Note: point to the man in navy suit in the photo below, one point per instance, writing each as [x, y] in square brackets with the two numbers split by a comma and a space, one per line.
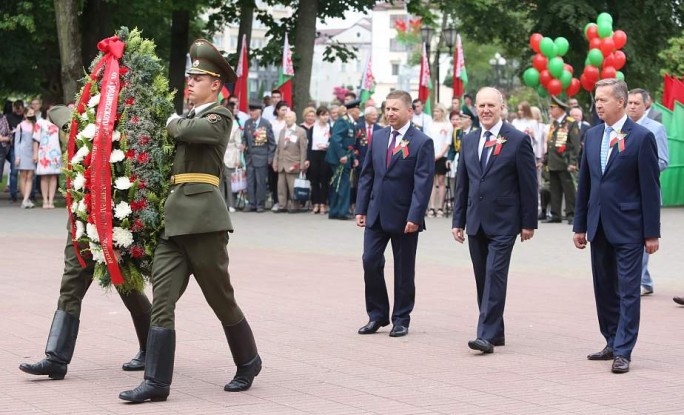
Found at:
[495, 200]
[618, 211]
[394, 190]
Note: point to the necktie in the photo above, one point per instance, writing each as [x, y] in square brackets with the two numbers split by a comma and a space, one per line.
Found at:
[191, 114]
[605, 146]
[369, 134]
[390, 149]
[485, 151]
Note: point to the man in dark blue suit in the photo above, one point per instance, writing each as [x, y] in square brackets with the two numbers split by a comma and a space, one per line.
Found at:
[618, 211]
[495, 200]
[394, 190]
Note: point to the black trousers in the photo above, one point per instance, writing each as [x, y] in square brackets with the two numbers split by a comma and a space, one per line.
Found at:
[319, 174]
[561, 184]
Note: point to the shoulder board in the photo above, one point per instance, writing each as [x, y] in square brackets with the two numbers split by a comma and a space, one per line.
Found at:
[570, 119]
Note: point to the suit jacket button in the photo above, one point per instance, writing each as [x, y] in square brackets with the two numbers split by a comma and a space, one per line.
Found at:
[481, 197]
[481, 180]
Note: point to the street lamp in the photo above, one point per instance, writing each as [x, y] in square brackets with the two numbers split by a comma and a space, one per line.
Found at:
[448, 37]
[498, 62]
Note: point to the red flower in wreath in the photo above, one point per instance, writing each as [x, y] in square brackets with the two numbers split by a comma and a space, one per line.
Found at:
[561, 149]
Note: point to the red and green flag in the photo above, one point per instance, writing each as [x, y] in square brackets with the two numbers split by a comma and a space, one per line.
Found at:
[425, 83]
[241, 86]
[460, 75]
[286, 74]
[367, 82]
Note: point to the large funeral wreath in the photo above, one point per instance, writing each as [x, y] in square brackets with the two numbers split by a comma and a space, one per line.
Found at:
[119, 159]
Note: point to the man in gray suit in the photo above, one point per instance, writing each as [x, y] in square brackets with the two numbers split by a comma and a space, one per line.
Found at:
[260, 147]
[651, 112]
[637, 111]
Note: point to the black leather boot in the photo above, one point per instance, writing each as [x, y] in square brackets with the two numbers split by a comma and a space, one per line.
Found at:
[242, 346]
[141, 311]
[161, 347]
[59, 349]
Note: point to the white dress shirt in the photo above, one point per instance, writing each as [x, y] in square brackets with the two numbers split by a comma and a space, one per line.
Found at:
[402, 133]
[613, 134]
[495, 132]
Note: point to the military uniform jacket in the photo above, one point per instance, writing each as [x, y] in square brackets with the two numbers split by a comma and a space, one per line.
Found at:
[342, 138]
[259, 142]
[200, 145]
[564, 144]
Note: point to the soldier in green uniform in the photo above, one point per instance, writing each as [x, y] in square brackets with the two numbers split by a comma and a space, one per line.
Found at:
[342, 159]
[561, 159]
[196, 226]
[75, 283]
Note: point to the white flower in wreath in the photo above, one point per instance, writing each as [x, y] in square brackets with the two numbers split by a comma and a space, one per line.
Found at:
[94, 101]
[80, 229]
[84, 116]
[91, 231]
[81, 206]
[74, 206]
[80, 155]
[123, 183]
[122, 210]
[116, 136]
[89, 131]
[96, 251]
[79, 181]
[122, 237]
[116, 156]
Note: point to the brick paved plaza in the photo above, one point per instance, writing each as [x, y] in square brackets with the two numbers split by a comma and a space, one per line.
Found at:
[299, 280]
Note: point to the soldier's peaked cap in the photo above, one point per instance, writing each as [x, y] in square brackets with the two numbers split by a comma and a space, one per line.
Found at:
[205, 59]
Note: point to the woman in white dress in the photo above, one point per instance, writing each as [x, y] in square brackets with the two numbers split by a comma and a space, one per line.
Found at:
[440, 130]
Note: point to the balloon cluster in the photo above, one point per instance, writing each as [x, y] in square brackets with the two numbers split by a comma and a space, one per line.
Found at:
[605, 59]
[549, 74]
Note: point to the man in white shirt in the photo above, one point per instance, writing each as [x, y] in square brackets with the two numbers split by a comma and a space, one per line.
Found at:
[268, 113]
[420, 119]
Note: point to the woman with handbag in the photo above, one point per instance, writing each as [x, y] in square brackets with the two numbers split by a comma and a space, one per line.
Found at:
[232, 159]
[319, 172]
[289, 161]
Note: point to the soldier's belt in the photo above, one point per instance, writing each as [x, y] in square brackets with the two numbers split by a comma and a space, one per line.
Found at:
[195, 178]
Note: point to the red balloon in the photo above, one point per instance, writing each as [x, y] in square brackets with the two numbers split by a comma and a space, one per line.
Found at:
[586, 83]
[568, 67]
[595, 43]
[609, 60]
[591, 73]
[545, 77]
[607, 46]
[608, 72]
[534, 41]
[554, 87]
[539, 62]
[620, 39]
[619, 59]
[573, 88]
[592, 32]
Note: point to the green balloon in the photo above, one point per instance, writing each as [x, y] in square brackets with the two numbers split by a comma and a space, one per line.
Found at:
[542, 91]
[587, 62]
[531, 77]
[604, 17]
[605, 29]
[556, 67]
[619, 75]
[595, 57]
[562, 44]
[565, 78]
[546, 46]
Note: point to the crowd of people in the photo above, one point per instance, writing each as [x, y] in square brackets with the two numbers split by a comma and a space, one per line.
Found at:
[30, 144]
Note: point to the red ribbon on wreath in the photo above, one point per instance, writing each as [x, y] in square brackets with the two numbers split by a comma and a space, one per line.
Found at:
[100, 174]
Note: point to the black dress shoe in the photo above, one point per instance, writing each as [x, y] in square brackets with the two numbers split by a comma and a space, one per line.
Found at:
[372, 327]
[245, 376]
[678, 300]
[501, 341]
[399, 331]
[571, 221]
[542, 216]
[137, 363]
[482, 345]
[605, 354]
[620, 365]
[552, 220]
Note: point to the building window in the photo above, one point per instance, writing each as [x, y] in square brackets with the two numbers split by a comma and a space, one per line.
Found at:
[395, 69]
[396, 46]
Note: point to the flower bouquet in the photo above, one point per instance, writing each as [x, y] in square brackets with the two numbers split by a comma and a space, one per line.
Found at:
[118, 161]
